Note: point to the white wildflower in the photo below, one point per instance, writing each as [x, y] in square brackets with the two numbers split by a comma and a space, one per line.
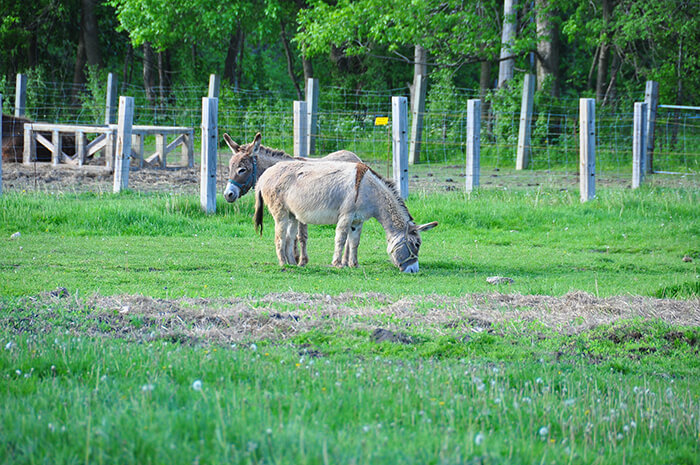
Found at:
[197, 385]
[543, 432]
[9, 345]
[479, 438]
[147, 387]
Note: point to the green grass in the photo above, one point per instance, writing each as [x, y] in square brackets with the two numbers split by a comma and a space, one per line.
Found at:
[90, 385]
[162, 245]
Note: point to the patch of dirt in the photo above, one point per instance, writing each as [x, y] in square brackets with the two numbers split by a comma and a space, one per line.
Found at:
[284, 315]
[43, 177]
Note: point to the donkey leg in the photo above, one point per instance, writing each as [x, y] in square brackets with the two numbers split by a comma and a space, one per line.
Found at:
[350, 255]
[280, 239]
[341, 236]
[290, 246]
[302, 236]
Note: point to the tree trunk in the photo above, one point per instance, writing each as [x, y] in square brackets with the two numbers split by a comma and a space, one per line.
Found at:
[308, 68]
[148, 77]
[126, 73]
[90, 33]
[290, 62]
[79, 69]
[604, 56]
[420, 67]
[231, 62]
[164, 76]
[510, 24]
[547, 63]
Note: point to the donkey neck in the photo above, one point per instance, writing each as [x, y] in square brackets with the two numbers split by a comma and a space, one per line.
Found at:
[391, 211]
[268, 157]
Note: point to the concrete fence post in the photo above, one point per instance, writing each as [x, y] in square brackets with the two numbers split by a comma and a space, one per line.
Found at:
[207, 190]
[214, 85]
[312, 93]
[587, 148]
[21, 95]
[301, 130]
[111, 100]
[399, 129]
[417, 114]
[639, 142]
[651, 98]
[524, 140]
[473, 144]
[122, 155]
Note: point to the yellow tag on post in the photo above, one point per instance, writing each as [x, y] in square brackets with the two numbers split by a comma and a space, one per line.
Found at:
[381, 120]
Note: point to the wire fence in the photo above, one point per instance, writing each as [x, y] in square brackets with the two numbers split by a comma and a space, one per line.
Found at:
[346, 120]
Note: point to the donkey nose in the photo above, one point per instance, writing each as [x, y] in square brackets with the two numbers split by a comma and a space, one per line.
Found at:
[230, 194]
[411, 267]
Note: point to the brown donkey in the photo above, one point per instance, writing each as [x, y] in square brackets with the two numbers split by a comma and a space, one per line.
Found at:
[342, 193]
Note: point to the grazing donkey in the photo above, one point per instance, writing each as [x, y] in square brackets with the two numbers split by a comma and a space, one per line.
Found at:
[250, 161]
[342, 193]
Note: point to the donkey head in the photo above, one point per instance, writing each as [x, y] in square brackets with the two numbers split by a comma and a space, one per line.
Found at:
[403, 248]
[242, 168]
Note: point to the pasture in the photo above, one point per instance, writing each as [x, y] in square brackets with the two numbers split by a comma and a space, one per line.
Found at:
[136, 329]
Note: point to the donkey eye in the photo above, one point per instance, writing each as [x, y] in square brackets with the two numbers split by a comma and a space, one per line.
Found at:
[241, 170]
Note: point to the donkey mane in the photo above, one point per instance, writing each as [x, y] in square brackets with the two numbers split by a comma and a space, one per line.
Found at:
[391, 186]
[268, 152]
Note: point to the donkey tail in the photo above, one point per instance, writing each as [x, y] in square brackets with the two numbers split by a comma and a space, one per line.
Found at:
[259, 204]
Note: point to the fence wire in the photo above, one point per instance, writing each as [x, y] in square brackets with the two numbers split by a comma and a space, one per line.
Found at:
[346, 120]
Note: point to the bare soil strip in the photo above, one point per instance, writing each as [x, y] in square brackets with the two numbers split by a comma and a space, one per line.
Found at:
[284, 315]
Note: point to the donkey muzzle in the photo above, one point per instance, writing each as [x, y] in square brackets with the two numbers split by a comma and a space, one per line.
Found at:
[409, 267]
[231, 193]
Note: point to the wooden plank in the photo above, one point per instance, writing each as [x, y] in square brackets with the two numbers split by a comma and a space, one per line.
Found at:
[122, 154]
[207, 191]
[137, 148]
[639, 140]
[88, 129]
[187, 158]
[473, 161]
[587, 148]
[160, 149]
[29, 150]
[524, 142]
[399, 130]
[56, 151]
[80, 147]
[96, 145]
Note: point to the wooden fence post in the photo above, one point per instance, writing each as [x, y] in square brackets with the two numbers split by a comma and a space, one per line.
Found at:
[524, 142]
[29, 150]
[639, 141]
[21, 95]
[312, 119]
[473, 164]
[399, 129]
[56, 140]
[587, 148]
[214, 85]
[207, 191]
[651, 98]
[301, 131]
[122, 155]
[417, 113]
[0, 140]
[111, 101]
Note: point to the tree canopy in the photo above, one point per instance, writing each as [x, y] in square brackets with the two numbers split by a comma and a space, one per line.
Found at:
[597, 46]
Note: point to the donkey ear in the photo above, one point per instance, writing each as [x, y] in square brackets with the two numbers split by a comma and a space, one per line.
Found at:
[427, 226]
[256, 142]
[231, 144]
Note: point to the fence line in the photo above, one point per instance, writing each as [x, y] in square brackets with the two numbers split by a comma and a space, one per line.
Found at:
[345, 120]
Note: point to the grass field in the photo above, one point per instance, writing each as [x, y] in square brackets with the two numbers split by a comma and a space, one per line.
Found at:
[136, 329]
